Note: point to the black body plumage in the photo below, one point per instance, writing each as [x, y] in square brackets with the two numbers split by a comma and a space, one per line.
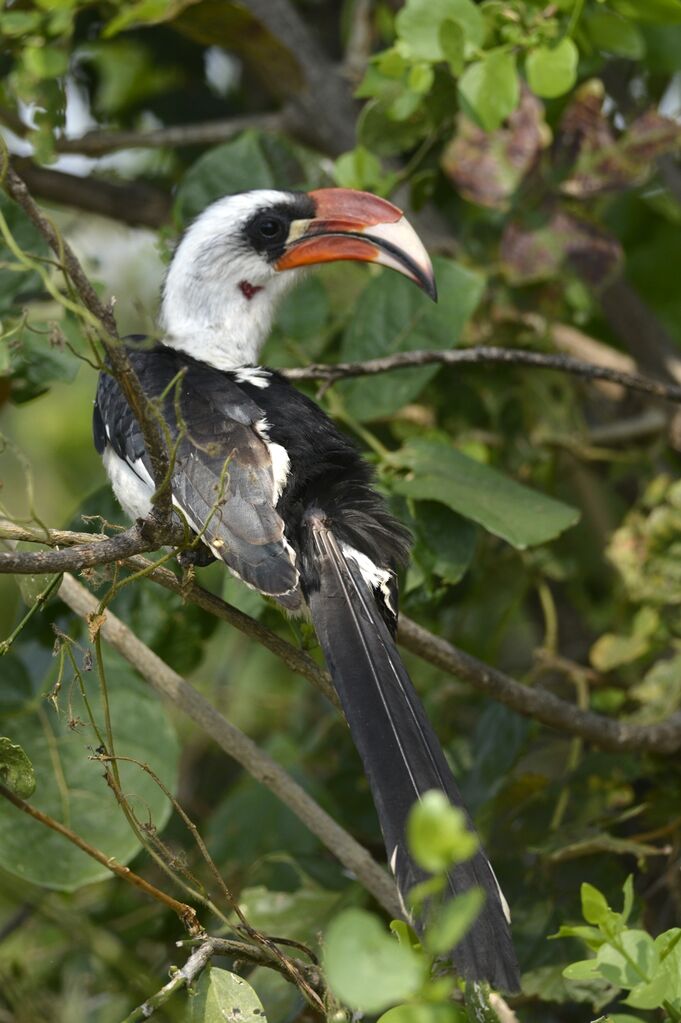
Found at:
[293, 540]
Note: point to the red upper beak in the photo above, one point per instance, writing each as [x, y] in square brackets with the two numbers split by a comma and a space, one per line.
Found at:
[357, 225]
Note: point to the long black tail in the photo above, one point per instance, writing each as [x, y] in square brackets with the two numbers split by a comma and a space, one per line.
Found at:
[400, 751]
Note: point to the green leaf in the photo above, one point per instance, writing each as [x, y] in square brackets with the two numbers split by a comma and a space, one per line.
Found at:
[365, 967]
[36, 364]
[628, 904]
[595, 907]
[19, 284]
[552, 71]
[424, 1012]
[358, 168]
[490, 89]
[17, 685]
[615, 34]
[303, 313]
[437, 833]
[144, 77]
[70, 786]
[219, 996]
[144, 12]
[420, 78]
[649, 994]
[405, 934]
[452, 39]
[16, 770]
[418, 25]
[549, 984]
[668, 946]
[612, 650]
[391, 316]
[45, 61]
[300, 914]
[663, 11]
[511, 511]
[584, 969]
[454, 920]
[445, 541]
[593, 937]
[253, 160]
[634, 960]
[17, 23]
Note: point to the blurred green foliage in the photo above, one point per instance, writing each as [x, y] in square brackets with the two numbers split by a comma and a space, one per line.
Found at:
[537, 144]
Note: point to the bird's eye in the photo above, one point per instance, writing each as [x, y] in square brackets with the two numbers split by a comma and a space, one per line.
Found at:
[270, 228]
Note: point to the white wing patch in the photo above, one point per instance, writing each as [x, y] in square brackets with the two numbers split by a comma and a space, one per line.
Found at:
[375, 577]
[254, 375]
[502, 897]
[281, 463]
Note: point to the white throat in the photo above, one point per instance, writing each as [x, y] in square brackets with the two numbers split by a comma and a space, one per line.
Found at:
[220, 296]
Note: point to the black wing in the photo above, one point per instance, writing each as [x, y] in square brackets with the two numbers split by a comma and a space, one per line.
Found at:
[222, 478]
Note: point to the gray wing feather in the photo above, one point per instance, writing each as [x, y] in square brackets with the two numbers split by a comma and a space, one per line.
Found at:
[222, 474]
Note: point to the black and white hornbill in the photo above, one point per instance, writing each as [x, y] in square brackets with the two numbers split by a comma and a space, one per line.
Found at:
[284, 499]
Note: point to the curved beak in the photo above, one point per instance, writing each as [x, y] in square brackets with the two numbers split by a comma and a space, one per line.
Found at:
[357, 225]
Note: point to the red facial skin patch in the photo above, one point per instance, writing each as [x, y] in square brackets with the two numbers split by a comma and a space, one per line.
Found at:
[248, 290]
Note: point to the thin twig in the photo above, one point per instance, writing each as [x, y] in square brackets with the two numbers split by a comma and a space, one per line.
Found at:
[175, 689]
[297, 660]
[287, 965]
[126, 377]
[326, 89]
[532, 702]
[207, 133]
[136, 203]
[186, 913]
[538, 704]
[486, 356]
[199, 959]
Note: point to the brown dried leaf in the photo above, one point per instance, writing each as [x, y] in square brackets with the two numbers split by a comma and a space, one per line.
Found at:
[628, 161]
[487, 167]
[537, 254]
[94, 624]
[583, 128]
[594, 160]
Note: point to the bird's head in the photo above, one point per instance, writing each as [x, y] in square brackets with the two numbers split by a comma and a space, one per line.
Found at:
[245, 251]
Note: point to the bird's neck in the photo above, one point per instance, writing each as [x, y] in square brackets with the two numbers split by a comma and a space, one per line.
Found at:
[221, 318]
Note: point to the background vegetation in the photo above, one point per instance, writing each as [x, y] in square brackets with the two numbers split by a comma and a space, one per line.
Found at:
[535, 147]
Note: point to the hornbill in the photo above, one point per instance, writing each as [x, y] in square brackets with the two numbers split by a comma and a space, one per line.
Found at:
[284, 498]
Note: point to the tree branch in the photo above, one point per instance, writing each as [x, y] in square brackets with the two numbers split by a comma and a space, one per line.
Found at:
[535, 703]
[297, 660]
[135, 203]
[486, 355]
[644, 335]
[663, 738]
[89, 551]
[186, 913]
[178, 692]
[326, 104]
[98, 143]
[199, 959]
[125, 375]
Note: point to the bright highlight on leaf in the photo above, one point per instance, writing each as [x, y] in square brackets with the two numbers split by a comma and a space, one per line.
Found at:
[508, 509]
[76, 793]
[223, 997]
[552, 71]
[16, 770]
[367, 968]
[437, 833]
